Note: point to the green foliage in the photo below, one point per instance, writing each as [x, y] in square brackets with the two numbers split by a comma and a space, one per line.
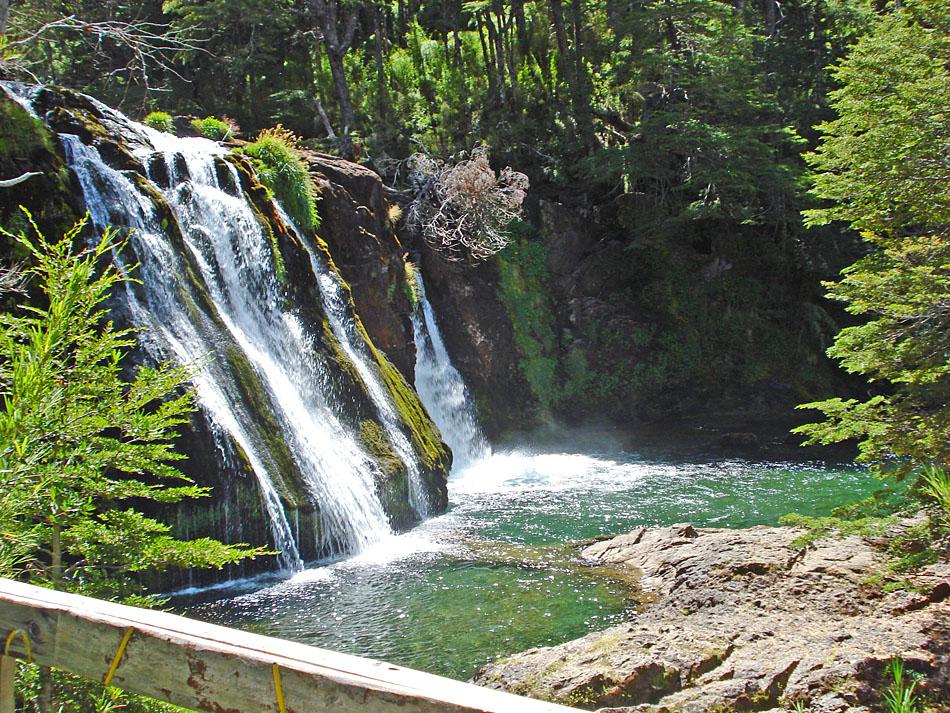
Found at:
[411, 284]
[818, 528]
[899, 696]
[73, 694]
[161, 121]
[283, 169]
[936, 485]
[676, 123]
[522, 290]
[77, 439]
[213, 128]
[20, 133]
[883, 165]
[869, 517]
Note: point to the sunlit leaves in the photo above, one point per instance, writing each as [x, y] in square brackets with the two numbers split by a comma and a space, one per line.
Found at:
[884, 164]
[78, 436]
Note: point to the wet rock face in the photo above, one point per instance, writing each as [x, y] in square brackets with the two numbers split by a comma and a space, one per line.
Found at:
[26, 146]
[744, 621]
[355, 225]
[362, 247]
[478, 335]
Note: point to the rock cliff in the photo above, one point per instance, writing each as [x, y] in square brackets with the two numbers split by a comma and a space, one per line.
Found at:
[354, 242]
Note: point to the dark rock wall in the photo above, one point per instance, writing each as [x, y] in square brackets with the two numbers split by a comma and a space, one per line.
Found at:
[355, 225]
[479, 336]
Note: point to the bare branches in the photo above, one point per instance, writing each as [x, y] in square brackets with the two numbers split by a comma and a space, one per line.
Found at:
[11, 182]
[150, 45]
[12, 279]
[463, 211]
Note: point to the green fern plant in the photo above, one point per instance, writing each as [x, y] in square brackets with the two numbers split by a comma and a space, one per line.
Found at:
[282, 168]
[160, 121]
[215, 129]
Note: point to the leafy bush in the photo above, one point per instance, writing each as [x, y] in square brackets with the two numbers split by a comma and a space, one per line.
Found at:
[160, 121]
[881, 165]
[936, 485]
[77, 439]
[215, 129]
[80, 442]
[282, 168]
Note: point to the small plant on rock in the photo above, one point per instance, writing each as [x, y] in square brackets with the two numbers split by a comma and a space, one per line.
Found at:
[281, 167]
[936, 486]
[215, 129]
[160, 121]
[394, 214]
[899, 696]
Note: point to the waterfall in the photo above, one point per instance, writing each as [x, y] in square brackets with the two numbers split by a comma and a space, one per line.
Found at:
[213, 299]
[441, 388]
[343, 324]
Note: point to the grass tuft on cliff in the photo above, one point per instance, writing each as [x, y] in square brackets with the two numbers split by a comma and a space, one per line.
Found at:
[160, 121]
[215, 129]
[281, 167]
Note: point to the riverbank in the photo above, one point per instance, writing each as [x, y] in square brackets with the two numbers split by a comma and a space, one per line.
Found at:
[747, 620]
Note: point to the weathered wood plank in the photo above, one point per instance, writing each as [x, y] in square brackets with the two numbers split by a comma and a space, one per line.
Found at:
[7, 675]
[208, 667]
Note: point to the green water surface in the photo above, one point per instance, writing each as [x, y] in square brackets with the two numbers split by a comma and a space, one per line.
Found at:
[500, 572]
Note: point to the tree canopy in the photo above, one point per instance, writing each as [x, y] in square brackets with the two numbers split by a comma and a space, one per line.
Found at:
[884, 165]
[82, 445]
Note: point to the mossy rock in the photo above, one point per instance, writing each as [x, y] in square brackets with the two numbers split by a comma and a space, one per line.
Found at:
[393, 485]
[26, 145]
[287, 476]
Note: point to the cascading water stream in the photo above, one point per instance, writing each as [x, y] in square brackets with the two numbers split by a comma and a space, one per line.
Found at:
[343, 324]
[226, 260]
[442, 390]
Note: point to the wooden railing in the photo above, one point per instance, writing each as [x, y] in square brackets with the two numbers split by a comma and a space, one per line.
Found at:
[214, 668]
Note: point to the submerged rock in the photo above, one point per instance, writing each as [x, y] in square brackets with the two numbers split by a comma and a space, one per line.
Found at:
[744, 620]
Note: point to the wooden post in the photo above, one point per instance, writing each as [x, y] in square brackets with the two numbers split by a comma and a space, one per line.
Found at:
[7, 677]
[212, 668]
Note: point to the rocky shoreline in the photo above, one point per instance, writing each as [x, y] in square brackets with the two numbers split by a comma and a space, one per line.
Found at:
[746, 620]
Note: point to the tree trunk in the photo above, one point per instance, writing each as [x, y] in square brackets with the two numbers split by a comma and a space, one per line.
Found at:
[498, 59]
[771, 17]
[44, 699]
[342, 87]
[56, 557]
[379, 51]
[459, 61]
[521, 26]
[324, 119]
[486, 55]
[563, 54]
[508, 48]
[337, 41]
[4, 16]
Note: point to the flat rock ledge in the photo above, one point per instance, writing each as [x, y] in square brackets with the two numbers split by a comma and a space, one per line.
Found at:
[744, 621]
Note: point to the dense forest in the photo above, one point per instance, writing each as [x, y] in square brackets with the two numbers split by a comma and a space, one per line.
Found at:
[674, 131]
[626, 212]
